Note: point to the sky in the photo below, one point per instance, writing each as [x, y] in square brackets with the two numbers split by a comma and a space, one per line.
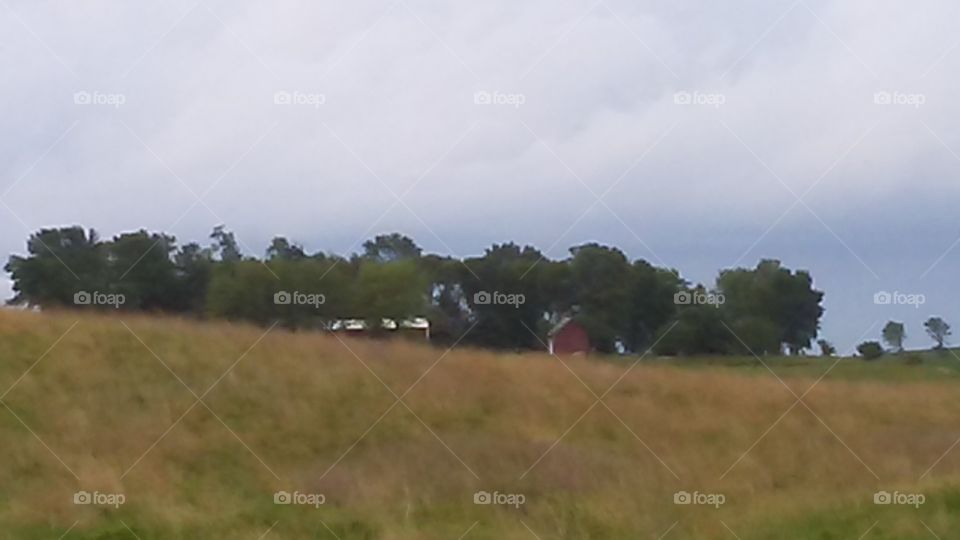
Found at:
[696, 135]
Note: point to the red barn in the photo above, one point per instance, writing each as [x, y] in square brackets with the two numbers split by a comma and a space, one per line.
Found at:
[568, 337]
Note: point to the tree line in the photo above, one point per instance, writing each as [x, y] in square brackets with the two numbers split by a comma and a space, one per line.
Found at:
[894, 333]
[507, 298]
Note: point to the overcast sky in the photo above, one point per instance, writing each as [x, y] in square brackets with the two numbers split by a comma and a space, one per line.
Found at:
[697, 135]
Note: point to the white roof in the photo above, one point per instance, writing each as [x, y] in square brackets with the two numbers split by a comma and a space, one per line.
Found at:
[416, 323]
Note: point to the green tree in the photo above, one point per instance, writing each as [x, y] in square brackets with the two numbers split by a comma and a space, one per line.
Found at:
[141, 268]
[447, 306]
[391, 247]
[59, 263]
[870, 350]
[194, 266]
[938, 330]
[225, 244]
[601, 277]
[826, 348]
[698, 329]
[281, 249]
[893, 334]
[391, 290]
[774, 293]
[502, 291]
[243, 291]
[651, 303]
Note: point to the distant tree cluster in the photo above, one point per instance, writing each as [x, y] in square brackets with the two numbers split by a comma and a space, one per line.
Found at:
[508, 298]
[894, 333]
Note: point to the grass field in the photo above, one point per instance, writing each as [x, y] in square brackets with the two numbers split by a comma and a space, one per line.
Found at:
[198, 426]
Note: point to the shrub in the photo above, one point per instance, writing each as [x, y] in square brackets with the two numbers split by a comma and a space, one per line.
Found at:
[870, 350]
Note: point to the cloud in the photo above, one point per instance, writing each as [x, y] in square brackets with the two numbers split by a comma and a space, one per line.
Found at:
[379, 99]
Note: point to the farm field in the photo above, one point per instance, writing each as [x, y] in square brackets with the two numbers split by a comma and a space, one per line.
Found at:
[170, 428]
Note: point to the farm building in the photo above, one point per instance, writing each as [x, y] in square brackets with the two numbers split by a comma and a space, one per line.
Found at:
[417, 327]
[568, 337]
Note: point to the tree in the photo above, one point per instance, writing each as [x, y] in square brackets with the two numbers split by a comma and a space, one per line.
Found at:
[938, 330]
[826, 348]
[447, 306]
[194, 266]
[870, 350]
[651, 303]
[281, 249]
[225, 244]
[600, 277]
[389, 290]
[391, 247]
[893, 334]
[142, 270]
[502, 291]
[774, 293]
[243, 291]
[59, 263]
[699, 329]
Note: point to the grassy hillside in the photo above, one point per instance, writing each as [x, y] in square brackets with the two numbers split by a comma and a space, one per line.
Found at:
[110, 405]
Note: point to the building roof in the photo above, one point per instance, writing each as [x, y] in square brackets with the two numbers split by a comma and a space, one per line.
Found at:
[416, 323]
[559, 326]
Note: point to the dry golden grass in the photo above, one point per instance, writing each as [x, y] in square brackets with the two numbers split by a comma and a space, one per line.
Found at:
[307, 412]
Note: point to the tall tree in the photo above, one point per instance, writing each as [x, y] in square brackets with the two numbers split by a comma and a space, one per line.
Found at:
[225, 244]
[281, 249]
[391, 247]
[59, 263]
[389, 290]
[651, 303]
[502, 292]
[893, 334]
[141, 268]
[601, 278]
[773, 293]
[938, 330]
[194, 266]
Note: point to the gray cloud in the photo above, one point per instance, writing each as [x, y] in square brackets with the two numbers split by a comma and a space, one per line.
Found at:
[598, 82]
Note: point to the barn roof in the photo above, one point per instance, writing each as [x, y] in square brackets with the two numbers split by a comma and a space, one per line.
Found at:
[559, 326]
